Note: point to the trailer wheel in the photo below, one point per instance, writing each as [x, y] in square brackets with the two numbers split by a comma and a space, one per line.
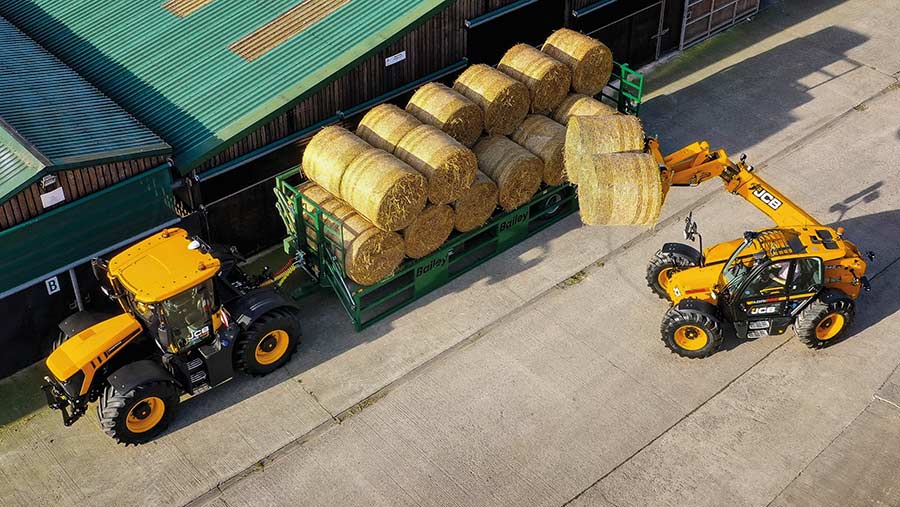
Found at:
[269, 342]
[141, 414]
[661, 268]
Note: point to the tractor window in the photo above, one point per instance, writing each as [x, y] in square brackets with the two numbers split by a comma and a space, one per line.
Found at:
[807, 275]
[188, 315]
[770, 280]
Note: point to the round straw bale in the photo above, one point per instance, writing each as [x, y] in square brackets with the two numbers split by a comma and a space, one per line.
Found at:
[514, 169]
[370, 254]
[578, 104]
[503, 100]
[319, 196]
[477, 205]
[448, 166]
[385, 125]
[545, 138]
[448, 110]
[428, 231]
[620, 189]
[589, 59]
[598, 135]
[547, 79]
[328, 155]
[383, 189]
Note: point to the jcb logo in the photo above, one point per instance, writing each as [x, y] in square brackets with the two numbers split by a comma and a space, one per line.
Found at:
[764, 196]
[763, 310]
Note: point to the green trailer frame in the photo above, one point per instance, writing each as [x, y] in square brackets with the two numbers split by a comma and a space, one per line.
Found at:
[315, 237]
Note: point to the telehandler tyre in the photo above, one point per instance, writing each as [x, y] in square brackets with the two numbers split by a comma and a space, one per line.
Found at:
[661, 267]
[691, 333]
[141, 414]
[823, 323]
[269, 342]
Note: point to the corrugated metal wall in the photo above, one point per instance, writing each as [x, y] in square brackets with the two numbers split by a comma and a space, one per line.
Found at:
[76, 183]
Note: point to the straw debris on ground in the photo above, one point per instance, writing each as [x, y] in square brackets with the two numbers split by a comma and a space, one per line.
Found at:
[589, 60]
[448, 110]
[503, 100]
[578, 104]
[587, 136]
[383, 189]
[447, 165]
[546, 139]
[477, 204]
[428, 231]
[548, 80]
[385, 125]
[514, 169]
[620, 189]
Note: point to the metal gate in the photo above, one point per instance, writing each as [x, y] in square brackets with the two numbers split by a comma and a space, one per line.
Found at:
[631, 30]
[705, 18]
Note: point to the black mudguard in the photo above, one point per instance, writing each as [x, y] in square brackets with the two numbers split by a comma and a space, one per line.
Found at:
[697, 305]
[257, 302]
[78, 322]
[682, 249]
[137, 373]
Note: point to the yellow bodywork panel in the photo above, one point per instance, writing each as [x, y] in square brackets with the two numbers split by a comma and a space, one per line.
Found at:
[162, 266]
[90, 349]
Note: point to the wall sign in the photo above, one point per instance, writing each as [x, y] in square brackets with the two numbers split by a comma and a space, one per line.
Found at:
[399, 57]
[53, 197]
[52, 285]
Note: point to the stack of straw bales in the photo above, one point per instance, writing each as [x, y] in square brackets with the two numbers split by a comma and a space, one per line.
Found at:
[448, 110]
[618, 184]
[503, 100]
[514, 169]
[370, 254]
[589, 60]
[544, 138]
[578, 104]
[428, 231]
[382, 188]
[547, 79]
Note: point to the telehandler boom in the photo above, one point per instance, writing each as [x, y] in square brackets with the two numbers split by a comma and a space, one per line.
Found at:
[800, 273]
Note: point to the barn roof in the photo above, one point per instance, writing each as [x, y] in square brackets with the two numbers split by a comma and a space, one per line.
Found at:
[203, 73]
[51, 119]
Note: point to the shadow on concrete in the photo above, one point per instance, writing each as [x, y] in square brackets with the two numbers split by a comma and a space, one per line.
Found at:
[752, 100]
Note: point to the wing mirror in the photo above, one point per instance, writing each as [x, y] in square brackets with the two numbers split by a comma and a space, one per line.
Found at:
[690, 227]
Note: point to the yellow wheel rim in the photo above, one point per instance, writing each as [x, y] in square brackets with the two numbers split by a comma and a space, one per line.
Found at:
[145, 415]
[272, 347]
[691, 337]
[663, 277]
[830, 326]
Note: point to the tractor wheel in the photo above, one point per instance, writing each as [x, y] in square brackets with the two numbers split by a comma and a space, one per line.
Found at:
[269, 342]
[661, 268]
[691, 333]
[820, 324]
[141, 414]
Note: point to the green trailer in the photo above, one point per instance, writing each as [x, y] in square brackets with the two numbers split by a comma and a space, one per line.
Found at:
[317, 246]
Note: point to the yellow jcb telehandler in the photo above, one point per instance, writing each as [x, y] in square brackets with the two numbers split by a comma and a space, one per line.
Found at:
[190, 318]
[800, 273]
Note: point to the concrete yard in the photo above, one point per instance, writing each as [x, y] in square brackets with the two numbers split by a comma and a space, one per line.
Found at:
[539, 378]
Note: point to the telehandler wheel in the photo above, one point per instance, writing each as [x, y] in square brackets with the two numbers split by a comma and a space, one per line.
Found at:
[821, 324]
[269, 342]
[141, 414]
[691, 333]
[661, 267]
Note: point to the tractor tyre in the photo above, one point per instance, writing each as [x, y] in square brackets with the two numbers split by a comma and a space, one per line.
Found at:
[60, 338]
[823, 323]
[141, 414]
[661, 267]
[268, 342]
[691, 333]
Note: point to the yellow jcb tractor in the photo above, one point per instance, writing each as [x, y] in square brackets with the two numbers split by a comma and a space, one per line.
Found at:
[190, 318]
[800, 273]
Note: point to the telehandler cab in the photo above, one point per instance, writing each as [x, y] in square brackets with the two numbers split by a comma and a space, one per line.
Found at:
[800, 273]
[191, 317]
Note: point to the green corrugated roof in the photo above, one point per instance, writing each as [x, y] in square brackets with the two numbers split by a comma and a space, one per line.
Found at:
[50, 118]
[178, 70]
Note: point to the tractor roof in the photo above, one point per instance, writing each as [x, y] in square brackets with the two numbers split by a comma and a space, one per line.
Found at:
[162, 266]
[813, 241]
